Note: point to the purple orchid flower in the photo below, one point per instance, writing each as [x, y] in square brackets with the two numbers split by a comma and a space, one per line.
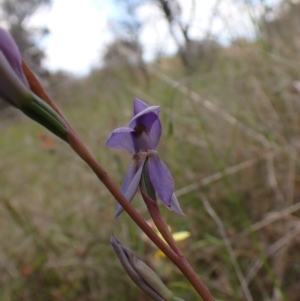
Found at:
[13, 83]
[140, 139]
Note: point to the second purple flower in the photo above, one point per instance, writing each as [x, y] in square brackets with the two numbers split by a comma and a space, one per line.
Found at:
[140, 139]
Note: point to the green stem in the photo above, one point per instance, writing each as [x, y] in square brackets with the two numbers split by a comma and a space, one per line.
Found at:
[41, 112]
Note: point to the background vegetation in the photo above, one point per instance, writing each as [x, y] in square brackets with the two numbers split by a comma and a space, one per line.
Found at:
[231, 139]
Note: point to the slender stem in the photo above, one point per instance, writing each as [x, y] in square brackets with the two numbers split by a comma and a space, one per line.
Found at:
[83, 152]
[37, 88]
[160, 223]
[194, 279]
[179, 261]
[182, 263]
[76, 144]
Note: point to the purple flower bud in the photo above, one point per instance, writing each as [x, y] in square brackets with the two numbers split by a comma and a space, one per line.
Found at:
[141, 139]
[13, 84]
[141, 274]
[15, 90]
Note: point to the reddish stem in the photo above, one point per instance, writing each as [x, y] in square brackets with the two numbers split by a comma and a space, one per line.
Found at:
[163, 228]
[160, 223]
[76, 144]
[178, 260]
[83, 152]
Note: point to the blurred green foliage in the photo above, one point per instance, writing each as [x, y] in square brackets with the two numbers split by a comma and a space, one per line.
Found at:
[243, 157]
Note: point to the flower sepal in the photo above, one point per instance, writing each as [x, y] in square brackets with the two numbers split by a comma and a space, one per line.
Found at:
[12, 89]
[15, 89]
[141, 274]
[38, 110]
[147, 170]
[146, 185]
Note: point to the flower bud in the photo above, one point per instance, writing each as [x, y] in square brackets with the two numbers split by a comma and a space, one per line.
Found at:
[13, 84]
[141, 274]
[14, 89]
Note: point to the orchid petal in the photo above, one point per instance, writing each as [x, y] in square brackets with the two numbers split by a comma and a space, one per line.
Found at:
[12, 54]
[139, 106]
[12, 88]
[174, 206]
[161, 178]
[122, 138]
[146, 117]
[131, 181]
[155, 134]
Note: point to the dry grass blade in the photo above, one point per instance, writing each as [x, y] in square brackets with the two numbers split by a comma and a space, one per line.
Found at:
[217, 176]
[226, 241]
[274, 216]
[272, 178]
[278, 58]
[291, 182]
[222, 113]
[271, 250]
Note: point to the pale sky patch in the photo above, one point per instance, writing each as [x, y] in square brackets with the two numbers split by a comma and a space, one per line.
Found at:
[224, 20]
[80, 29]
[155, 36]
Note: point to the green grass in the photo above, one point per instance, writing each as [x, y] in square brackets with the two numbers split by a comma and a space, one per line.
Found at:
[56, 218]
